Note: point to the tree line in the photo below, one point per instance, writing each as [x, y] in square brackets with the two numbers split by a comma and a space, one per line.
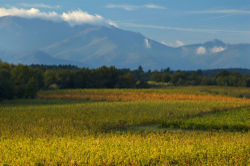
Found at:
[22, 81]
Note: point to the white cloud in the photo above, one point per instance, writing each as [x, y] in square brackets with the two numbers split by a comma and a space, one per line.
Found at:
[124, 7]
[147, 44]
[134, 7]
[40, 5]
[112, 23]
[80, 17]
[217, 49]
[201, 50]
[166, 43]
[185, 29]
[153, 6]
[178, 43]
[29, 13]
[222, 11]
[73, 17]
[143, 26]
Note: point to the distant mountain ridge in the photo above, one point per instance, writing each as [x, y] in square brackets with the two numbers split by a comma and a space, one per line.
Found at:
[36, 41]
[212, 72]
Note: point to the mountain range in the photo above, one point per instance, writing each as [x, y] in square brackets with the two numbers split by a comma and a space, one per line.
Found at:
[37, 41]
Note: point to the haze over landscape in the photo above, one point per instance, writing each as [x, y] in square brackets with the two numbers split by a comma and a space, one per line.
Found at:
[129, 82]
[127, 34]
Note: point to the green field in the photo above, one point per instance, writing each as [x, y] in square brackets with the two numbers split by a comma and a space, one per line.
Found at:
[168, 126]
[232, 120]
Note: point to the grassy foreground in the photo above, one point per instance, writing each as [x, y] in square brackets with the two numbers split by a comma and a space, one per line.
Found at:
[171, 126]
[169, 148]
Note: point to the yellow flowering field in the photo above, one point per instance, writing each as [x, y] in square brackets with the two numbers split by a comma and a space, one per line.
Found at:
[168, 148]
[127, 127]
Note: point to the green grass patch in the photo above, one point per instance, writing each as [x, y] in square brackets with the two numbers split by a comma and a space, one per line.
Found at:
[233, 120]
[80, 118]
[37, 102]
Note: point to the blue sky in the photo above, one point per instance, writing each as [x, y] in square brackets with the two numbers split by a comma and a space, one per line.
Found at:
[173, 22]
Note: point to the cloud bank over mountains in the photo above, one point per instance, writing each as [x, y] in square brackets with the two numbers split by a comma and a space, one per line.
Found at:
[218, 49]
[201, 50]
[177, 43]
[76, 17]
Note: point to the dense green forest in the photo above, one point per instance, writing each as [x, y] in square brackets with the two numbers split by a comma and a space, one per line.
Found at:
[21, 81]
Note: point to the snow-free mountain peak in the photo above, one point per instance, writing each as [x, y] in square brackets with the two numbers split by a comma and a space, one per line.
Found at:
[214, 43]
[47, 42]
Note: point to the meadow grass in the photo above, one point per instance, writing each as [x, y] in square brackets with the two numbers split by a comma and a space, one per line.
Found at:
[81, 118]
[241, 92]
[124, 127]
[233, 120]
[169, 148]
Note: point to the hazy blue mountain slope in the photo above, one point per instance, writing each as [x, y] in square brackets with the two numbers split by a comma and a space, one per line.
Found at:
[39, 41]
[112, 46]
[216, 54]
[39, 57]
[21, 34]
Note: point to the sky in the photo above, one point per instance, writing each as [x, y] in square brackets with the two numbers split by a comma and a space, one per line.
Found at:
[171, 22]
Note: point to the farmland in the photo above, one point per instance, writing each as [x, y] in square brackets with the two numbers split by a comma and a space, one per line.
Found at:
[167, 126]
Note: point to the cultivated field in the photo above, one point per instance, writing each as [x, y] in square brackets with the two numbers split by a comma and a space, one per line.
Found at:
[170, 126]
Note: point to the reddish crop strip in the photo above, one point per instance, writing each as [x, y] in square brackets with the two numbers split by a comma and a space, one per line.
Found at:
[137, 96]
